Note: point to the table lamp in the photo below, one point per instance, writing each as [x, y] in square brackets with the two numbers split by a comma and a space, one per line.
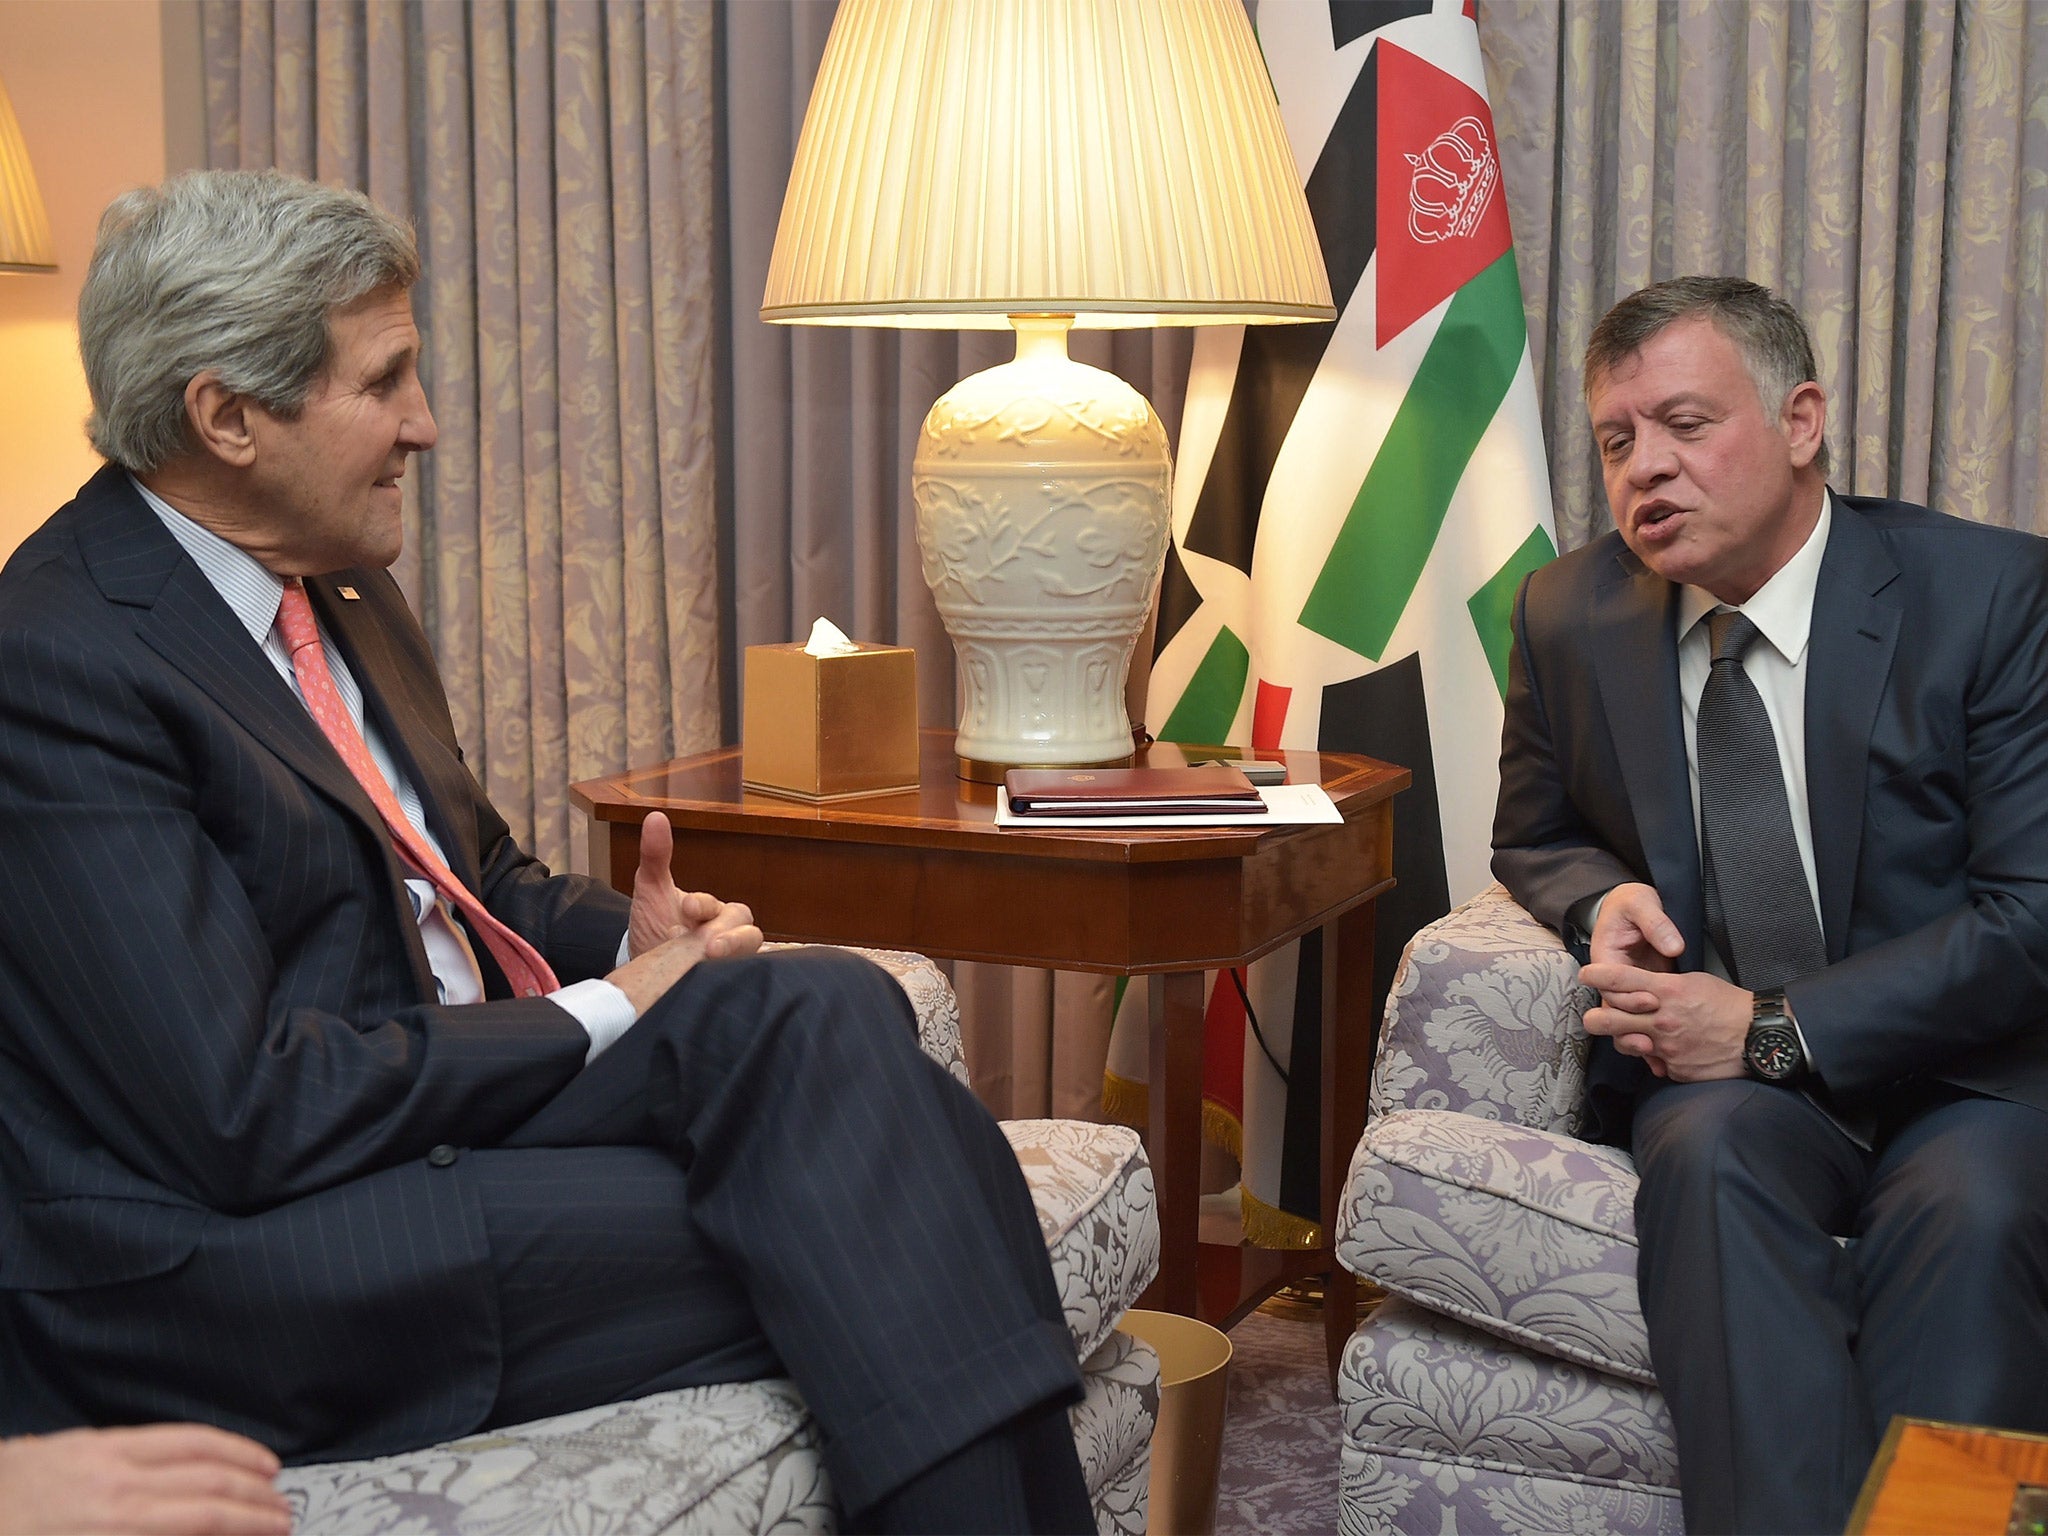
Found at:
[1043, 164]
[25, 244]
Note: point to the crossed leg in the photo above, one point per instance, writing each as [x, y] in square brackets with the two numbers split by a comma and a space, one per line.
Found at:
[766, 1175]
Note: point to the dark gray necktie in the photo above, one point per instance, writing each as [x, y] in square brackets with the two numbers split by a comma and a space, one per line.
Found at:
[1759, 909]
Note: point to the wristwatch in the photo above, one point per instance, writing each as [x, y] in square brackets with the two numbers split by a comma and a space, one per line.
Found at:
[1772, 1052]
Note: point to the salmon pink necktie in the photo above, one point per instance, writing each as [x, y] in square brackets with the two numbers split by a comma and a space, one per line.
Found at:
[523, 967]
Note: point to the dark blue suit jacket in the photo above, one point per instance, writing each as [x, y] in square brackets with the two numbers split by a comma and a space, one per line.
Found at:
[221, 1064]
[1927, 785]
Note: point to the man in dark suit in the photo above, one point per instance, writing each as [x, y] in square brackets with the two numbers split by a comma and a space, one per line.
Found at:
[327, 1115]
[1779, 759]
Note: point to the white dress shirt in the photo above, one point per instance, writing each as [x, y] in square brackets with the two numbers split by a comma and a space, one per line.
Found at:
[253, 594]
[1782, 611]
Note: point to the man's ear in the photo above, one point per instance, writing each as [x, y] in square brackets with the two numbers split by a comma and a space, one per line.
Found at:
[1805, 422]
[220, 419]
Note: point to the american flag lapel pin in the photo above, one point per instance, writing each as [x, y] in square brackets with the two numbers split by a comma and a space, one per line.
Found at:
[350, 593]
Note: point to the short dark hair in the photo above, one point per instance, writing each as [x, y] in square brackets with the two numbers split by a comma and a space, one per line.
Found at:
[1773, 340]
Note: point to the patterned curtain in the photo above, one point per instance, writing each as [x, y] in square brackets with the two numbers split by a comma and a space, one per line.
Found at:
[557, 161]
[1884, 165]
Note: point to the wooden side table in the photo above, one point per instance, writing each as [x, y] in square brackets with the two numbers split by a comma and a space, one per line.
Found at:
[929, 870]
[1929, 1476]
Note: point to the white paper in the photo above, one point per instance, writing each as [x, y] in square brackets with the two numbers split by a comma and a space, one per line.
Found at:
[1287, 805]
[828, 639]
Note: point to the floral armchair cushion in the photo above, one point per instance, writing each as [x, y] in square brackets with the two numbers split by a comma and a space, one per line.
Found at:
[739, 1457]
[1484, 1020]
[1469, 1193]
[1507, 1386]
[1093, 1190]
[1524, 1234]
[1446, 1429]
[931, 998]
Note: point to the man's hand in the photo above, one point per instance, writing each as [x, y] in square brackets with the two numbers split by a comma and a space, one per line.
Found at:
[659, 907]
[726, 933]
[1688, 1026]
[1633, 930]
[161, 1480]
[671, 929]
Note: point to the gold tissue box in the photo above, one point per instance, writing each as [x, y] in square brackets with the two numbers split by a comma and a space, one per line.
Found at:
[829, 727]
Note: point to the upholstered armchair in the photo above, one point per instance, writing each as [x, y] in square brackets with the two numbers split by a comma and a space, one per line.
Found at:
[744, 1457]
[1505, 1384]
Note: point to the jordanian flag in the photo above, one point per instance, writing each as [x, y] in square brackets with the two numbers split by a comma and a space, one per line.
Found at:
[1355, 506]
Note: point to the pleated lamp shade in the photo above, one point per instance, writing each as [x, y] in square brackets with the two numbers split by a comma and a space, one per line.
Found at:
[25, 244]
[1122, 161]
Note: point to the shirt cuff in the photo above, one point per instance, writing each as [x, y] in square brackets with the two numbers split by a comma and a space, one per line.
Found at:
[601, 1008]
[625, 949]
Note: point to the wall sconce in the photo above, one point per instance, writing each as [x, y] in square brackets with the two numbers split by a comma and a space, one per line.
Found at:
[25, 243]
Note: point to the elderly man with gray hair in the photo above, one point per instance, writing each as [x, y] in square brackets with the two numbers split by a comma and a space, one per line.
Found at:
[1776, 757]
[329, 1116]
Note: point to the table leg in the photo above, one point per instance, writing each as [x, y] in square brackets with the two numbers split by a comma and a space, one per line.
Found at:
[1173, 1138]
[604, 854]
[1351, 1036]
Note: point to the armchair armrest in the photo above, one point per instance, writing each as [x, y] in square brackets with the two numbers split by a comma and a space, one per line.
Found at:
[1524, 1234]
[1484, 1018]
[931, 998]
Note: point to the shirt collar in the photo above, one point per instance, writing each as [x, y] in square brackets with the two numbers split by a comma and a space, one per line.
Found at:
[250, 590]
[1782, 608]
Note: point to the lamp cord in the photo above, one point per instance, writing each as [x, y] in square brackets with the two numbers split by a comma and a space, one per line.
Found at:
[1258, 1034]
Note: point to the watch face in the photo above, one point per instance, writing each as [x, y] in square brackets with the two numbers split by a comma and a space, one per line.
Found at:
[1773, 1052]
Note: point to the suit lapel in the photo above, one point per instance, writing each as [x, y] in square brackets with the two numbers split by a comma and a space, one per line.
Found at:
[184, 620]
[1636, 660]
[138, 564]
[1849, 660]
[390, 698]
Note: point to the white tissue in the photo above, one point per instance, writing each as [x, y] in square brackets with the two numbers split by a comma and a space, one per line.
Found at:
[827, 639]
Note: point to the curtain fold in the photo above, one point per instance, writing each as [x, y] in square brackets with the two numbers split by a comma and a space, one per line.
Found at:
[558, 163]
[1884, 165]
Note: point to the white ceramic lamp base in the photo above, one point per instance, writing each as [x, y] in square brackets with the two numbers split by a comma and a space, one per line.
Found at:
[1042, 495]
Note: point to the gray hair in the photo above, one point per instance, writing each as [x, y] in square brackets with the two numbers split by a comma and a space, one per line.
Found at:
[1776, 349]
[230, 271]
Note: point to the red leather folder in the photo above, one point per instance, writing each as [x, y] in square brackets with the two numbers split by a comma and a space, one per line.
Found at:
[1216, 790]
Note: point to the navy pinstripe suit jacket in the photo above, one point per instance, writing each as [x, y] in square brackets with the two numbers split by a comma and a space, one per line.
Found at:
[221, 1065]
